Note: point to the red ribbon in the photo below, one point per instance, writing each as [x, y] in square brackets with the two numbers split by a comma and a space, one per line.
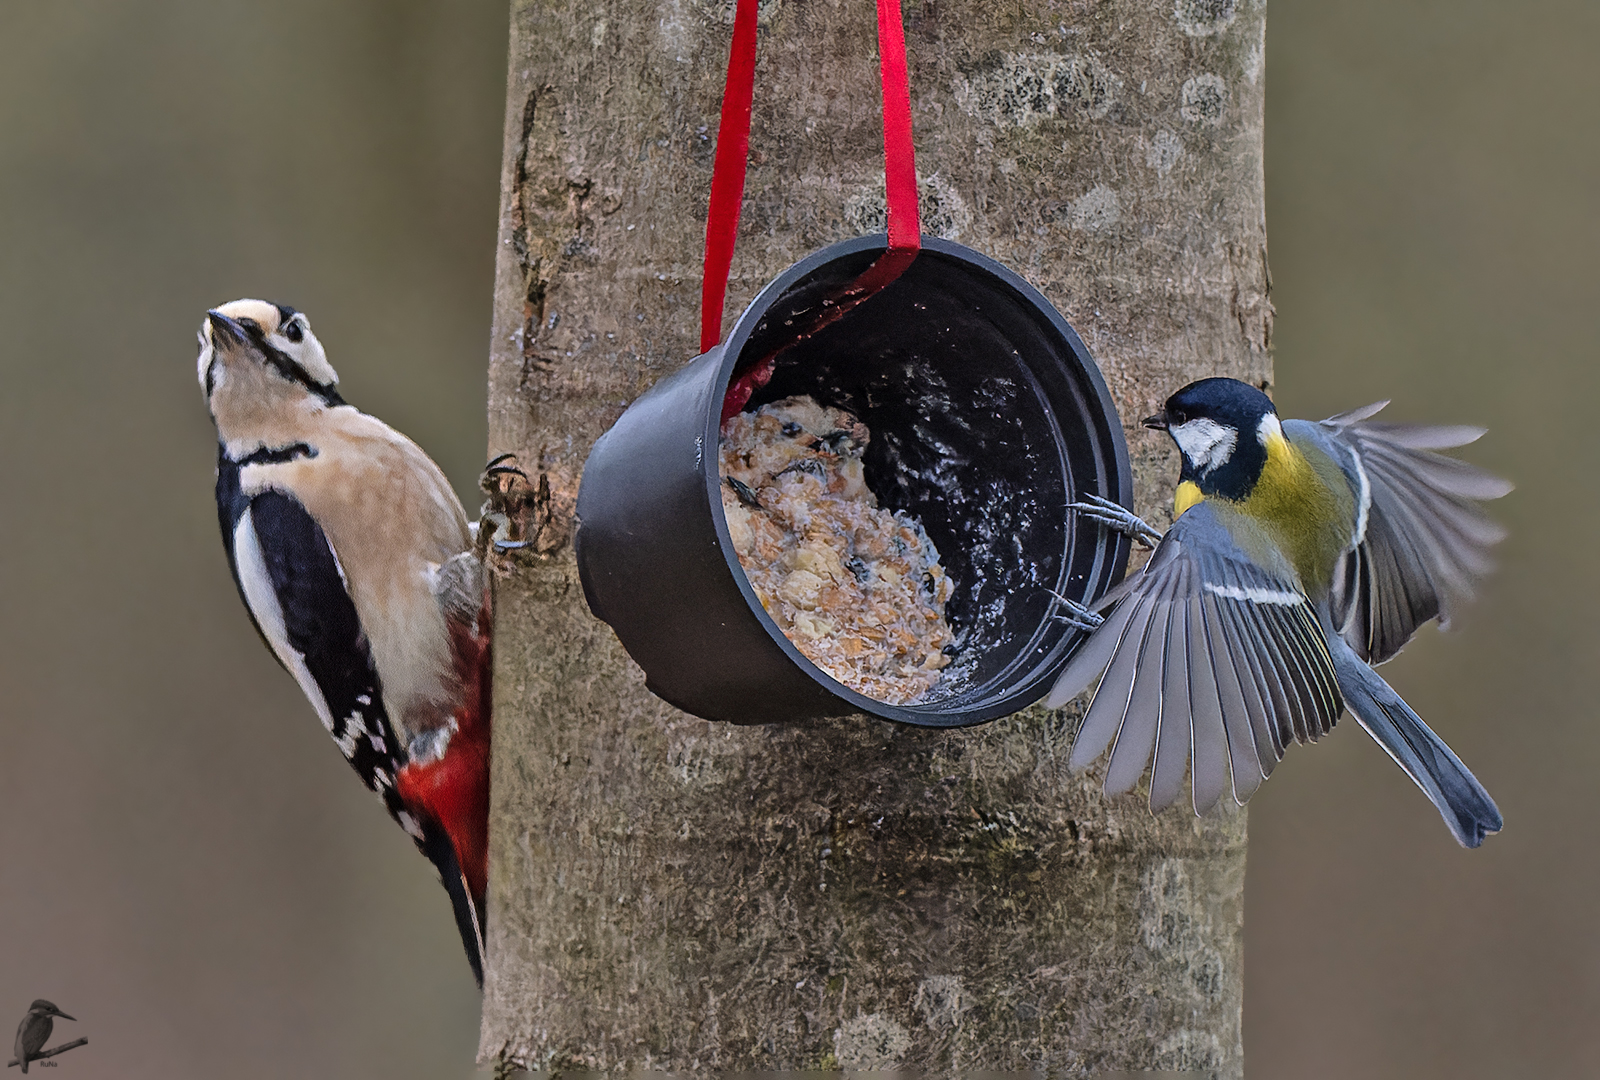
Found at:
[727, 175]
[733, 152]
[899, 158]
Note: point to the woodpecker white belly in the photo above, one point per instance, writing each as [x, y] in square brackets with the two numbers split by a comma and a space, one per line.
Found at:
[352, 554]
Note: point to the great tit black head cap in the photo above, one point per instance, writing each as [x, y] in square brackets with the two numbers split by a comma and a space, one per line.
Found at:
[1221, 427]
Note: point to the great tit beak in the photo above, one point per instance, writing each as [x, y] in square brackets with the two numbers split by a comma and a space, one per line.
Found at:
[224, 330]
[1158, 422]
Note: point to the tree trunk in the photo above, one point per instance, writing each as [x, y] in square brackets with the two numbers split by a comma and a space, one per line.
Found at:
[676, 894]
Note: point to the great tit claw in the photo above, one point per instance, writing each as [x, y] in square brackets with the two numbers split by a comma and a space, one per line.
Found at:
[1117, 518]
[1075, 614]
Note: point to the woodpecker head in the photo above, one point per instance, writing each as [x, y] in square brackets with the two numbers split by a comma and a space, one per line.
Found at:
[258, 356]
[1223, 428]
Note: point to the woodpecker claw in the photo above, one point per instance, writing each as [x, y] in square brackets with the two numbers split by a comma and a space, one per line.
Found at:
[489, 481]
[511, 497]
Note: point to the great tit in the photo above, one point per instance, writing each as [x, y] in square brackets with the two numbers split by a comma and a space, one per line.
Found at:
[1301, 554]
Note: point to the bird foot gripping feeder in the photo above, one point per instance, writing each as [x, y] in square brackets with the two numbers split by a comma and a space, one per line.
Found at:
[987, 414]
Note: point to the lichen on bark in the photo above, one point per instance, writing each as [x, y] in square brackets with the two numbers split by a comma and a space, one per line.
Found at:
[672, 893]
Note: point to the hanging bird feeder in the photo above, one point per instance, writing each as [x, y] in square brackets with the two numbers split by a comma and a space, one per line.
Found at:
[987, 417]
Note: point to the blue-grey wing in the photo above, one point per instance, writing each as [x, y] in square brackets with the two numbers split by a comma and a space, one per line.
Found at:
[1211, 662]
[1422, 541]
[292, 583]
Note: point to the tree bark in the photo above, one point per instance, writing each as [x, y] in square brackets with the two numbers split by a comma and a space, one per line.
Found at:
[671, 893]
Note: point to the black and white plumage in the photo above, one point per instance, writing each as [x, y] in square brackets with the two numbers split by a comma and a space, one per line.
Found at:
[1301, 552]
[353, 557]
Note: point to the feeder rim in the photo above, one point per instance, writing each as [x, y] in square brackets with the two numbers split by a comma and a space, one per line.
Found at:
[931, 714]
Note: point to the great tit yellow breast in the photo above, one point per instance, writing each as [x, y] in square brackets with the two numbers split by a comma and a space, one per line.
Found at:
[1187, 495]
[1304, 502]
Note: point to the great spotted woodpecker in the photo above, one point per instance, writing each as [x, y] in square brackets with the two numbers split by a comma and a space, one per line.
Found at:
[355, 561]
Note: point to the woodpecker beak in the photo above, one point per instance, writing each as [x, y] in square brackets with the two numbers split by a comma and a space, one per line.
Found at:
[224, 331]
[1158, 422]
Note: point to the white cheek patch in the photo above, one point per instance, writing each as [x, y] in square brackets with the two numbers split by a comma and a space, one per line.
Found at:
[1206, 443]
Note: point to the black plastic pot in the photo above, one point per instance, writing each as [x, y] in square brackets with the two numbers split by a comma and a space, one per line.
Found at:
[987, 417]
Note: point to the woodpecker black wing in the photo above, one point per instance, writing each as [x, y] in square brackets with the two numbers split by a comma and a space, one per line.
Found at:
[291, 582]
[1422, 539]
[1210, 660]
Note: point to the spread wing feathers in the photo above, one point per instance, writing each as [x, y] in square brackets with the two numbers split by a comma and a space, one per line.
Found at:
[293, 585]
[1426, 540]
[1209, 661]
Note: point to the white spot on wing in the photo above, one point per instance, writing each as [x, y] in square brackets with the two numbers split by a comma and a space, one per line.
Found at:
[1255, 595]
[1363, 499]
[347, 744]
[259, 594]
[1206, 443]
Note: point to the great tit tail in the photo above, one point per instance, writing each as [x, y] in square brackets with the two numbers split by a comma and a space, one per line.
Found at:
[1450, 785]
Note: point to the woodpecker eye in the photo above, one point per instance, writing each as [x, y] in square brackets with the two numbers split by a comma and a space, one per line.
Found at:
[293, 331]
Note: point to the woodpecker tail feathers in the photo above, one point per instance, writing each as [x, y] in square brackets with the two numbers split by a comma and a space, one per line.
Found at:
[449, 793]
[468, 907]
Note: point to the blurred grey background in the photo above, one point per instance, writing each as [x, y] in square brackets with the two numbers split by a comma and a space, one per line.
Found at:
[189, 870]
